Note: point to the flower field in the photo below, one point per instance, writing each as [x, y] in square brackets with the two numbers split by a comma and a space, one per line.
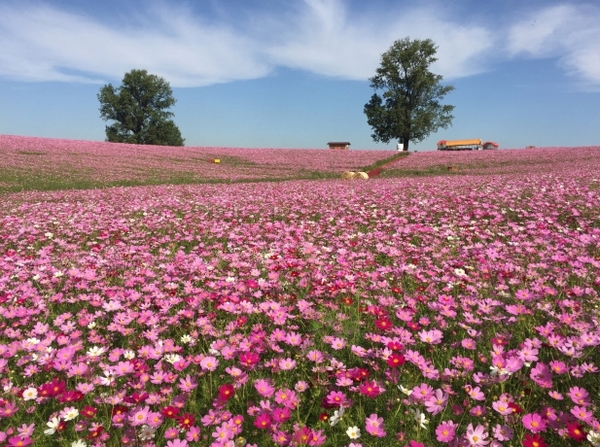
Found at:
[497, 161]
[52, 164]
[447, 310]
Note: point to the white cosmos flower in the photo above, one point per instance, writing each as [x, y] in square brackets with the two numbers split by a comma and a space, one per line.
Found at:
[95, 351]
[594, 438]
[69, 413]
[337, 415]
[147, 433]
[406, 391]
[353, 432]
[52, 426]
[420, 418]
[172, 358]
[30, 393]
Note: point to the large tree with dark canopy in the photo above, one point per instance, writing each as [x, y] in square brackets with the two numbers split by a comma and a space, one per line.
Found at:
[139, 109]
[409, 107]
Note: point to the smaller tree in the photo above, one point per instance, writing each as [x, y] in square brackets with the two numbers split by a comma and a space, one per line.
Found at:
[139, 108]
[409, 107]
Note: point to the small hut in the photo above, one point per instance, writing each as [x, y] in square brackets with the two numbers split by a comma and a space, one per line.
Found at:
[338, 145]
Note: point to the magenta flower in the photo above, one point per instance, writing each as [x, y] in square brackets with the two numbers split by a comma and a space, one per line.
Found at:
[263, 420]
[249, 359]
[446, 431]
[370, 388]
[19, 441]
[534, 422]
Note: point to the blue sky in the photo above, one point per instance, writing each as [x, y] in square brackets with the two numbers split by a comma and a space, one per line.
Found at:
[294, 73]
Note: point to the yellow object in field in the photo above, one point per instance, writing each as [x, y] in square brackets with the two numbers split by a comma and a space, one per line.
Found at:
[217, 160]
[474, 142]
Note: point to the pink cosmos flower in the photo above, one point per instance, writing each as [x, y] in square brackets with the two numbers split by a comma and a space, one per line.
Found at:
[287, 398]
[193, 434]
[502, 407]
[477, 437]
[223, 433]
[503, 432]
[534, 422]
[287, 364]
[475, 393]
[374, 426]
[579, 396]
[315, 356]
[177, 443]
[209, 363]
[436, 403]
[264, 387]
[19, 441]
[188, 384]
[336, 398]
[171, 433]
[582, 413]
[433, 336]
[422, 392]
[446, 431]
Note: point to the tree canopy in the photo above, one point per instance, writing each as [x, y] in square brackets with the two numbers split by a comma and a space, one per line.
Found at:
[409, 107]
[139, 109]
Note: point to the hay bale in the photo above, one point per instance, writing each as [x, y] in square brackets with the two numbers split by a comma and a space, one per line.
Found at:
[361, 175]
[348, 175]
[452, 168]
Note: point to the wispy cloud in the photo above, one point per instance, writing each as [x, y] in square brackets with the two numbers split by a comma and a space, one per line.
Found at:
[570, 33]
[44, 43]
[327, 38]
[41, 42]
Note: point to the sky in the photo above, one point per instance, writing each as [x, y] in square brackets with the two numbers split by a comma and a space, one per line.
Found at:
[295, 73]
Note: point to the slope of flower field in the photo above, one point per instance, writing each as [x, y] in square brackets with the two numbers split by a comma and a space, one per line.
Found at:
[36, 163]
[496, 161]
[457, 310]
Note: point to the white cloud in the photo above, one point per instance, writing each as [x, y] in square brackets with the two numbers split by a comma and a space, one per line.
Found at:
[326, 38]
[42, 43]
[570, 33]
[45, 43]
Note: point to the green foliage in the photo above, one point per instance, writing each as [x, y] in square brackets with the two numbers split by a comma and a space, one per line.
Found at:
[139, 108]
[409, 107]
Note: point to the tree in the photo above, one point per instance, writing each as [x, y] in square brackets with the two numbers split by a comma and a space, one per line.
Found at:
[139, 109]
[409, 108]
